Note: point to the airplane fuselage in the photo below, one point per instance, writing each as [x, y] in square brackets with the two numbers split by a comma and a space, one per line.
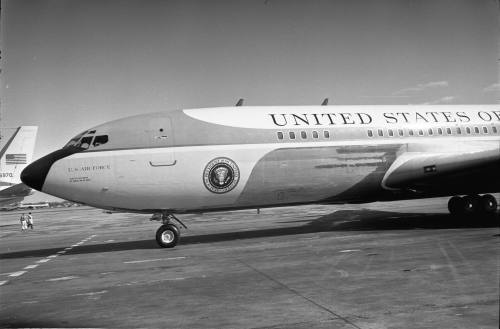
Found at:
[249, 157]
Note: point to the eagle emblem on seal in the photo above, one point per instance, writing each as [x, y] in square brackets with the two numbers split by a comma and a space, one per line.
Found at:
[221, 175]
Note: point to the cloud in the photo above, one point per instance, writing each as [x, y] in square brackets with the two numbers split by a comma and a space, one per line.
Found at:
[421, 87]
[442, 100]
[492, 88]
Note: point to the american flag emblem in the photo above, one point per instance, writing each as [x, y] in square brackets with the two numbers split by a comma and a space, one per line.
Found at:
[15, 159]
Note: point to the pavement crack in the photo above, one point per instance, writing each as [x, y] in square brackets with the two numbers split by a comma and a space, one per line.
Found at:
[295, 292]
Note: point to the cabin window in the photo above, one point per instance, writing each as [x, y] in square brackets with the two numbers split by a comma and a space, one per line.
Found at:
[485, 130]
[459, 131]
[380, 132]
[391, 133]
[315, 134]
[99, 140]
[401, 132]
[440, 131]
[410, 132]
[327, 134]
[420, 132]
[431, 132]
[370, 133]
[292, 135]
[448, 131]
[280, 135]
[494, 129]
[476, 130]
[467, 130]
[303, 134]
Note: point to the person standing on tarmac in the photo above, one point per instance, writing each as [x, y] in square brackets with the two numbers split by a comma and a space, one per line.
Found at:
[24, 223]
[29, 220]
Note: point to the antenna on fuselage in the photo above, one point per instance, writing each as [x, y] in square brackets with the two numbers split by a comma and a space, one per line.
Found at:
[240, 102]
[325, 102]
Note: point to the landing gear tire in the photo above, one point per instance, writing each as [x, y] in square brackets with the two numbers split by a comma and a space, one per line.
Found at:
[168, 235]
[456, 206]
[471, 204]
[488, 204]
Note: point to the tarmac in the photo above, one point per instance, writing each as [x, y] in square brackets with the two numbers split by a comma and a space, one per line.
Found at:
[404, 264]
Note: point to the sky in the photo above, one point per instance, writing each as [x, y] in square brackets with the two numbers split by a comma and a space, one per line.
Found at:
[70, 65]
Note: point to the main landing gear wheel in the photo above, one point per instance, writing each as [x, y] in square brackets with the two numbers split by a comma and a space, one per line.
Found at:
[473, 205]
[488, 204]
[456, 205]
[168, 235]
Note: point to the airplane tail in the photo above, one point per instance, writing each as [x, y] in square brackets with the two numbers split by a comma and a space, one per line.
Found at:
[16, 154]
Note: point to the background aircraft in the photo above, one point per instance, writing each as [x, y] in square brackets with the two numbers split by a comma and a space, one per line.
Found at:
[231, 158]
[16, 153]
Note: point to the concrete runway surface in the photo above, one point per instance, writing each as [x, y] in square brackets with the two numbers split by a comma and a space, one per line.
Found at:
[384, 265]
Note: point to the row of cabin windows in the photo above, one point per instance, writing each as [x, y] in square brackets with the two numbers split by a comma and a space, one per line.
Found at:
[303, 134]
[431, 131]
[391, 133]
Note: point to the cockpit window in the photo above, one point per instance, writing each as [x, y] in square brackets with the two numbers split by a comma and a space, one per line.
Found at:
[99, 140]
[85, 142]
[74, 140]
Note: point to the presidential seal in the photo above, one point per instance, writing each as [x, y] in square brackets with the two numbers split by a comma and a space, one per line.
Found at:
[221, 175]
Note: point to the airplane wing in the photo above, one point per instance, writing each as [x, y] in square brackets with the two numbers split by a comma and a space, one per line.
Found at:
[424, 170]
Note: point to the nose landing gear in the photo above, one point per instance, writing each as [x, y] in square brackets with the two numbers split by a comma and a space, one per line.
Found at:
[472, 205]
[168, 235]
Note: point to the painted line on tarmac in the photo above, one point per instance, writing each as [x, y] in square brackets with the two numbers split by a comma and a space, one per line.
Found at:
[350, 250]
[16, 274]
[151, 260]
[30, 267]
[92, 293]
[64, 278]
[45, 260]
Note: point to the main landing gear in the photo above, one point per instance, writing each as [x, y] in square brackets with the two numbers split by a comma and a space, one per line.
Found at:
[168, 235]
[473, 205]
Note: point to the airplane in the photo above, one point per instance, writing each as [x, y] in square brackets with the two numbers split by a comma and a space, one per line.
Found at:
[243, 157]
[16, 154]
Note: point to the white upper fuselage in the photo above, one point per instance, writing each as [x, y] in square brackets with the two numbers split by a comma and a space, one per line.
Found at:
[241, 157]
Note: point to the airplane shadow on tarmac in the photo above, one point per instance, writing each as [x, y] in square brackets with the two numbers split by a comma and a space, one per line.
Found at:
[343, 220]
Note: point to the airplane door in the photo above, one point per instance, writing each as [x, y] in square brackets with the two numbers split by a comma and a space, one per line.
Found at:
[162, 161]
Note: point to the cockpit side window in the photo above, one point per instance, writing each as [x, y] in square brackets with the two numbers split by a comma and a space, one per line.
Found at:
[74, 140]
[99, 140]
[85, 142]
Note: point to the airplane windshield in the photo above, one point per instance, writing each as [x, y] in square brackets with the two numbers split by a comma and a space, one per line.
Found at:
[74, 140]
[83, 141]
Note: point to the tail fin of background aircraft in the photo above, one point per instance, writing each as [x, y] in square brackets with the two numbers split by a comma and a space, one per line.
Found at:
[16, 154]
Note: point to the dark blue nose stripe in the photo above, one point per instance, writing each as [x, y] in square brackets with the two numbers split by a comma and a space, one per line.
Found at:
[34, 175]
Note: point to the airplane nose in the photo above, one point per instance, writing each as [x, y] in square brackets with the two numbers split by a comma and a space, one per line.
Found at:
[34, 174]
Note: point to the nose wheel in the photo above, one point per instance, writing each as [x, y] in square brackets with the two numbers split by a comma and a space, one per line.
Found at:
[169, 234]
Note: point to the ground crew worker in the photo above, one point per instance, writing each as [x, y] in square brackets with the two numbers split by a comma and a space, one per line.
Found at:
[29, 220]
[24, 223]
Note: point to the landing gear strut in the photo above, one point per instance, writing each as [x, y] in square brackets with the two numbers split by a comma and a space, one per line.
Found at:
[472, 205]
[168, 235]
